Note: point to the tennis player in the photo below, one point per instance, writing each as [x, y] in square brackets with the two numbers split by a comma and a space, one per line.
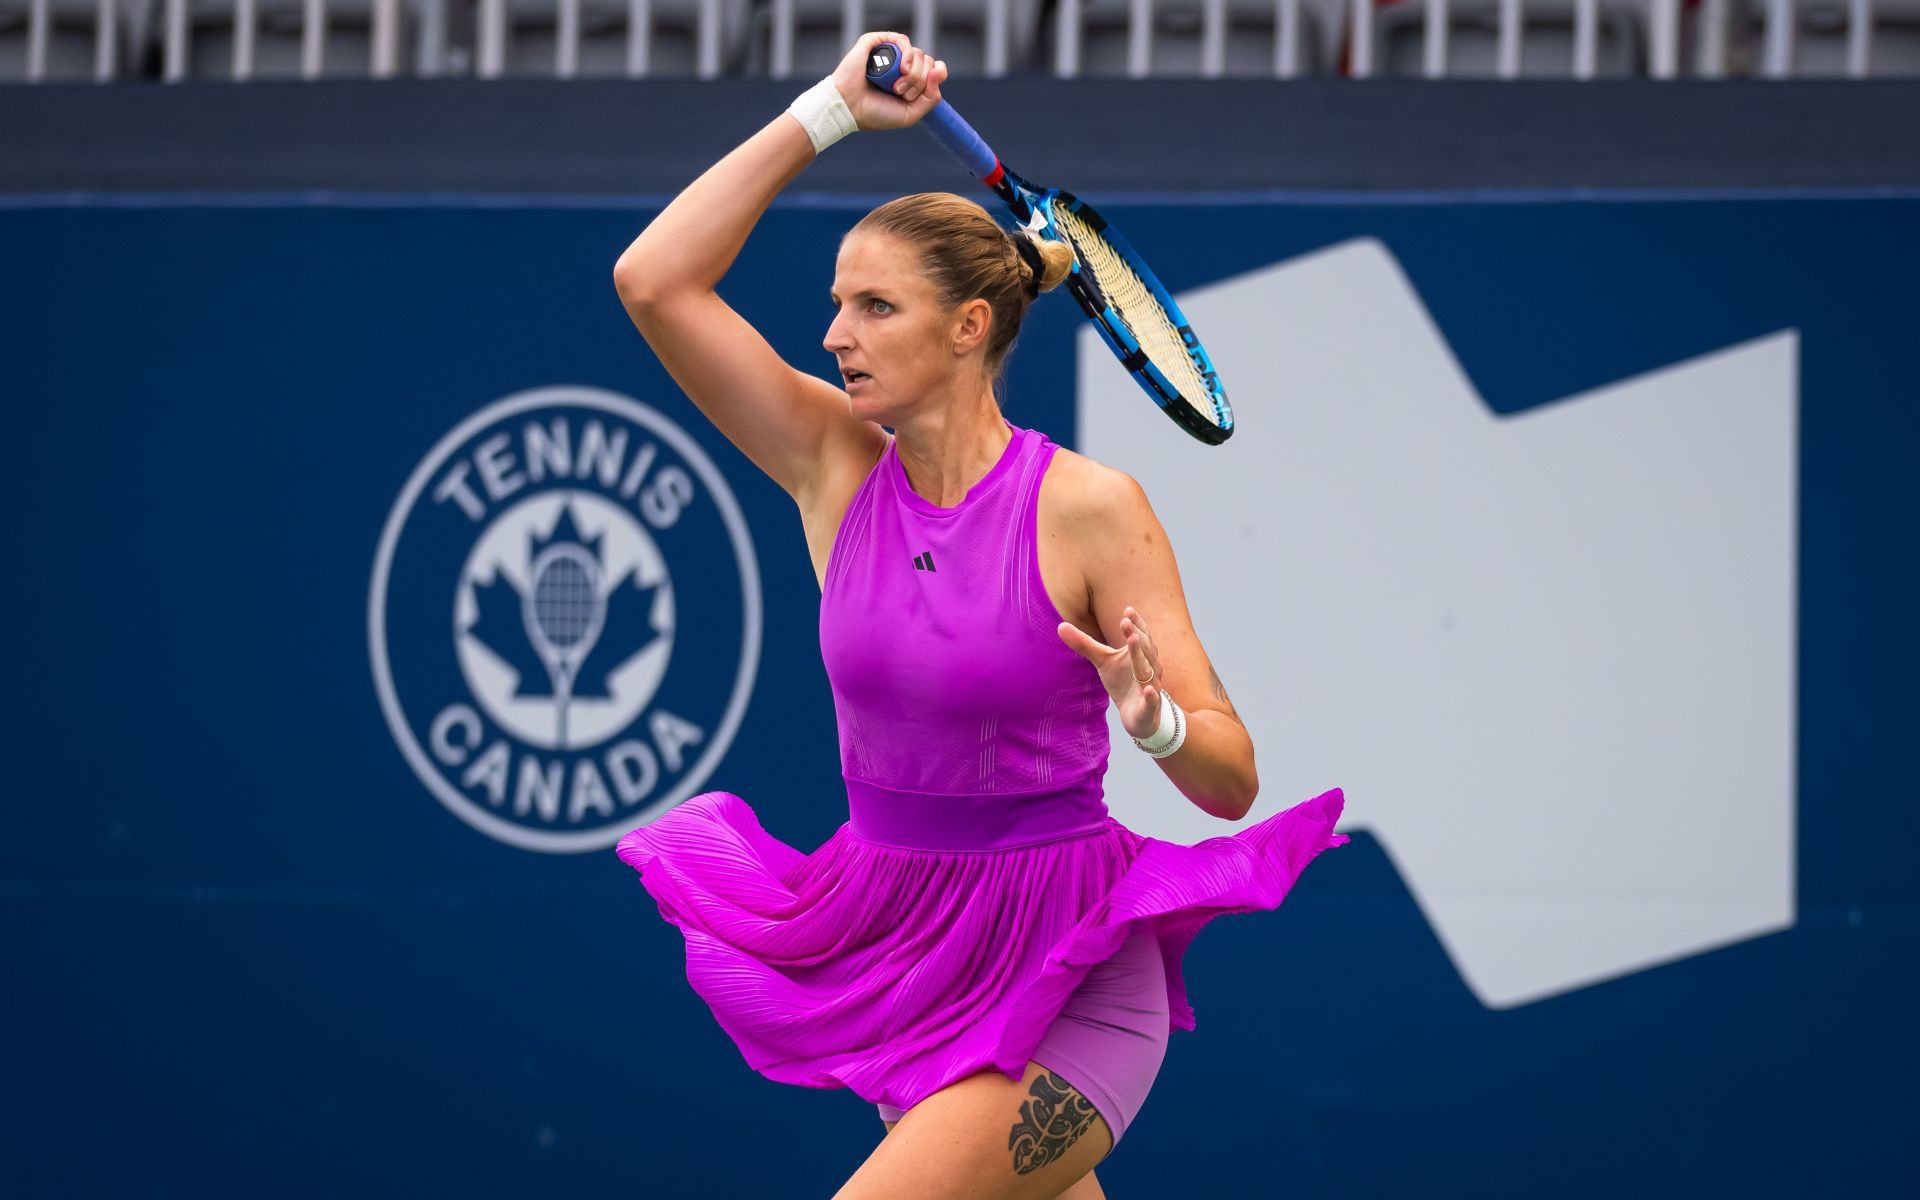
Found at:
[981, 951]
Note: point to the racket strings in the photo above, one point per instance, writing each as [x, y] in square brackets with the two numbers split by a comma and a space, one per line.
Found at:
[566, 603]
[1135, 304]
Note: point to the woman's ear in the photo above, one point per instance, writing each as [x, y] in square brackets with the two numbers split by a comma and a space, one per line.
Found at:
[971, 326]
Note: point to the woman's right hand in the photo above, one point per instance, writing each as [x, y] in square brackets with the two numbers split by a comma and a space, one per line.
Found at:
[914, 96]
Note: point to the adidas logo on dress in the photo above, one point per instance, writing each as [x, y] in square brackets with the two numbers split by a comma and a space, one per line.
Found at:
[924, 561]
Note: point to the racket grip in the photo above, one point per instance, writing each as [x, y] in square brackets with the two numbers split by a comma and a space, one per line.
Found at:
[944, 124]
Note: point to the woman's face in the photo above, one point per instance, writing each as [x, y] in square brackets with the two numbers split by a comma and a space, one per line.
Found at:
[895, 343]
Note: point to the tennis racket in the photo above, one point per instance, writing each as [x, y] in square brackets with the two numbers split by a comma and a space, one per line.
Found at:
[1135, 315]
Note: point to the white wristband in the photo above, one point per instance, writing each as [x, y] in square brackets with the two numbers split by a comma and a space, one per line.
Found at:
[1170, 734]
[822, 111]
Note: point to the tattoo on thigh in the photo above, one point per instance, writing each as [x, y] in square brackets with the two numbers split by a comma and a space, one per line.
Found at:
[1049, 1123]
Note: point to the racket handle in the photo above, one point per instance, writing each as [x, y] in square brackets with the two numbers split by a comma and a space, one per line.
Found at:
[945, 125]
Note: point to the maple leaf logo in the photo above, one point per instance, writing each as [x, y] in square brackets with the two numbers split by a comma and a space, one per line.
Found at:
[574, 628]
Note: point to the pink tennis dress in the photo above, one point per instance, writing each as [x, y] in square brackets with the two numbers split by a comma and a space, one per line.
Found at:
[979, 878]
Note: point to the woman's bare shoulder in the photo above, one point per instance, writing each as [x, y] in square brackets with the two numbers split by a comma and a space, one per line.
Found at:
[1080, 489]
[1091, 515]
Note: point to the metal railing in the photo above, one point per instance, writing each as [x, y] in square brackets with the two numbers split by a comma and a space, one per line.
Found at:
[384, 60]
[1663, 38]
[759, 37]
[39, 30]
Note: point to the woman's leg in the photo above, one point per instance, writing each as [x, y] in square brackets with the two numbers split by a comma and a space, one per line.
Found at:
[1093, 1067]
[1087, 1189]
[989, 1138]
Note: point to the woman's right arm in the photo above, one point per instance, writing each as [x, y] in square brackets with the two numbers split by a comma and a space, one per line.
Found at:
[786, 421]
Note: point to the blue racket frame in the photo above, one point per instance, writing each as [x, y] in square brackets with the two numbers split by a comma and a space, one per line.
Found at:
[1034, 207]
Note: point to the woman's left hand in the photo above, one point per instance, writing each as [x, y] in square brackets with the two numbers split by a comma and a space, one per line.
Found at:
[1131, 671]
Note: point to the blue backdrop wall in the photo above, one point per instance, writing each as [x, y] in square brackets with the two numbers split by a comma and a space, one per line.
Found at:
[252, 952]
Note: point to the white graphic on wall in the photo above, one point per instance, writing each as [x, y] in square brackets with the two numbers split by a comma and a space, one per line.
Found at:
[1549, 656]
[564, 618]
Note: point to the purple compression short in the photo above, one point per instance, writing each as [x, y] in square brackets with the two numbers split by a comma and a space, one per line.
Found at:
[1110, 1039]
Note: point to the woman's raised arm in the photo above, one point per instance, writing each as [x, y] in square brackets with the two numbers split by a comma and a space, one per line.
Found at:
[780, 418]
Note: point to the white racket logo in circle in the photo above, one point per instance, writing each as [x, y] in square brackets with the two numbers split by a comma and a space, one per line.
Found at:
[564, 612]
[548, 571]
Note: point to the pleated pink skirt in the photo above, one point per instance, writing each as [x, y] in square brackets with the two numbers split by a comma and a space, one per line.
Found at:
[895, 971]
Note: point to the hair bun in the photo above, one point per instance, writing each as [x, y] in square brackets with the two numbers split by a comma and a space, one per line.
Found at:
[1050, 260]
[1029, 254]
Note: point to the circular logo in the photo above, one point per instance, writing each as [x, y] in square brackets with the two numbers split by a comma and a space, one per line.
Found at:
[605, 618]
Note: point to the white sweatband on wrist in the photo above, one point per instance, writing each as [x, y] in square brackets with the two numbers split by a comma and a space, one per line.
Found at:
[1170, 734]
[822, 111]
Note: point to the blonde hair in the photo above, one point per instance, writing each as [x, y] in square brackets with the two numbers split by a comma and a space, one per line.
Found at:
[967, 254]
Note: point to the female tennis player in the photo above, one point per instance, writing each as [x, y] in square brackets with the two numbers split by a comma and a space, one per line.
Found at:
[981, 950]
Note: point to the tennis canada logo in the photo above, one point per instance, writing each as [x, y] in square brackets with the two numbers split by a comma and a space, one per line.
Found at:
[605, 618]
